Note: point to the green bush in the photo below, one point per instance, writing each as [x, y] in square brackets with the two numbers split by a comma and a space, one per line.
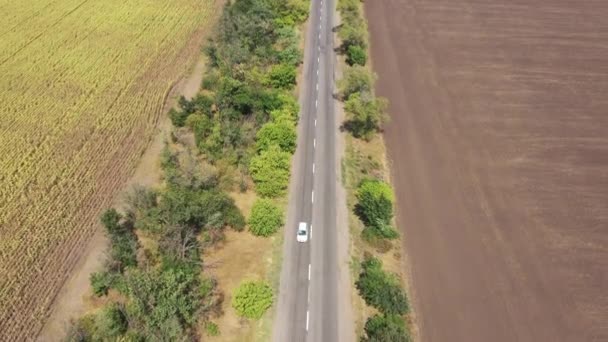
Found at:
[356, 79]
[356, 55]
[283, 115]
[280, 133]
[288, 102]
[110, 219]
[291, 55]
[266, 218]
[101, 282]
[270, 171]
[282, 76]
[110, 323]
[211, 329]
[365, 114]
[251, 299]
[353, 32]
[380, 289]
[385, 328]
[375, 203]
[123, 247]
[164, 303]
[178, 117]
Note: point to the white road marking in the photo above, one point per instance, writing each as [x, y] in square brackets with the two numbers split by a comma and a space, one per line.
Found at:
[316, 103]
[318, 59]
[312, 198]
[311, 231]
[308, 271]
[307, 319]
[318, 69]
[313, 167]
[317, 86]
[314, 142]
[315, 122]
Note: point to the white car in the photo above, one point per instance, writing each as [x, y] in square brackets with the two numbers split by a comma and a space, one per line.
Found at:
[302, 232]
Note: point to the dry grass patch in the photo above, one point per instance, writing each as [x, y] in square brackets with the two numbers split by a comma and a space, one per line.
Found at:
[241, 256]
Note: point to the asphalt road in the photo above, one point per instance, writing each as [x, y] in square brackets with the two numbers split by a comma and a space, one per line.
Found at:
[308, 298]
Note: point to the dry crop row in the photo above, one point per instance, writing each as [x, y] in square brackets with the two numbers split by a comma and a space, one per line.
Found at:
[83, 84]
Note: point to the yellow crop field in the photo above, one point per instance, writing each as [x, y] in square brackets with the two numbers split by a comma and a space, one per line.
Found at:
[82, 84]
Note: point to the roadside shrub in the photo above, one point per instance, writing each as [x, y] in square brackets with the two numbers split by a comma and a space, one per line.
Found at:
[266, 218]
[365, 114]
[356, 55]
[356, 79]
[288, 102]
[282, 76]
[291, 55]
[284, 115]
[353, 32]
[270, 171]
[380, 289]
[251, 299]
[282, 134]
[384, 328]
[375, 203]
[101, 282]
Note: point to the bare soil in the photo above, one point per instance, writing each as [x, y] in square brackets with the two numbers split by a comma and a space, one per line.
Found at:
[499, 152]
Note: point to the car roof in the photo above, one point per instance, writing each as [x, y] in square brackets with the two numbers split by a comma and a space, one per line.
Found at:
[302, 226]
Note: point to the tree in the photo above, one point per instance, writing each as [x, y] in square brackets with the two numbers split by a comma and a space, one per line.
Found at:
[291, 55]
[110, 219]
[251, 299]
[178, 118]
[380, 289]
[385, 328]
[270, 171]
[123, 241]
[375, 202]
[281, 133]
[265, 218]
[356, 79]
[366, 114]
[356, 55]
[110, 323]
[282, 76]
[164, 303]
[101, 283]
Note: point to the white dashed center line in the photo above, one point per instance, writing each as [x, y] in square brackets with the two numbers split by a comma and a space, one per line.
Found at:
[307, 319]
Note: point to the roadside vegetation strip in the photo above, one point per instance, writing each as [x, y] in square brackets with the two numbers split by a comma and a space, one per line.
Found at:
[237, 131]
[370, 195]
[83, 84]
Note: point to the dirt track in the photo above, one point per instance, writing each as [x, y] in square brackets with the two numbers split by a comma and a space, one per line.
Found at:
[499, 149]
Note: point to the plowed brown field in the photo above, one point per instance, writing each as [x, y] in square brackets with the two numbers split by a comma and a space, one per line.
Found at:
[499, 151]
